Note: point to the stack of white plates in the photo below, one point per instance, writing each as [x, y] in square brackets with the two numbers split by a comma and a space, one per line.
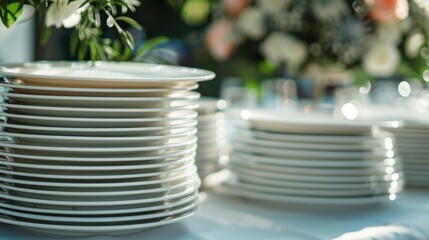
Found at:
[309, 159]
[412, 141]
[104, 149]
[212, 150]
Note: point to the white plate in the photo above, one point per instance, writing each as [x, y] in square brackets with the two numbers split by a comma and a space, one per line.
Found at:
[310, 146]
[171, 119]
[304, 123]
[185, 141]
[157, 156]
[104, 132]
[319, 185]
[67, 230]
[239, 171]
[72, 193]
[90, 112]
[261, 166]
[93, 141]
[99, 186]
[238, 191]
[314, 138]
[315, 162]
[305, 154]
[106, 74]
[97, 221]
[16, 86]
[37, 170]
[105, 102]
[174, 202]
[317, 192]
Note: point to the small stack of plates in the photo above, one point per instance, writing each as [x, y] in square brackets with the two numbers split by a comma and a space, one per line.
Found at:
[311, 159]
[212, 150]
[98, 149]
[412, 140]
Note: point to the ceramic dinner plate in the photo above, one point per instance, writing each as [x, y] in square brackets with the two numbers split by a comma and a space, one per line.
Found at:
[170, 119]
[103, 74]
[106, 102]
[302, 123]
[91, 112]
[145, 207]
[338, 171]
[169, 144]
[316, 162]
[317, 139]
[17, 87]
[242, 138]
[235, 189]
[157, 156]
[316, 154]
[80, 231]
[318, 192]
[173, 127]
[93, 141]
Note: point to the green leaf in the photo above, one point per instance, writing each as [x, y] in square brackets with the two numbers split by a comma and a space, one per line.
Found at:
[10, 11]
[74, 42]
[130, 21]
[128, 39]
[150, 44]
[46, 34]
[93, 51]
[83, 50]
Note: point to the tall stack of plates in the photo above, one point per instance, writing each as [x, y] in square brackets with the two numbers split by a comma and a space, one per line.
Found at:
[212, 150]
[98, 149]
[309, 159]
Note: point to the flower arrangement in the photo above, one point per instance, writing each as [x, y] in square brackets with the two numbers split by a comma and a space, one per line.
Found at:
[86, 18]
[370, 38]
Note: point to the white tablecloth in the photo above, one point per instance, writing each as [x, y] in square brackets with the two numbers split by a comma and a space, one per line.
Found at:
[226, 217]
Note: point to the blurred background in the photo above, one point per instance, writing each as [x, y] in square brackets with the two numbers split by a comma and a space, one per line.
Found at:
[273, 53]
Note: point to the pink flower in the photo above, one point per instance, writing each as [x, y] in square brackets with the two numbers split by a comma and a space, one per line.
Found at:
[388, 11]
[235, 7]
[219, 40]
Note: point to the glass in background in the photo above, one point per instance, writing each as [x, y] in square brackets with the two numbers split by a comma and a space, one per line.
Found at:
[279, 94]
[236, 94]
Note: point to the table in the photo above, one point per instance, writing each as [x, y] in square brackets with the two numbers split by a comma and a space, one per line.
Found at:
[228, 217]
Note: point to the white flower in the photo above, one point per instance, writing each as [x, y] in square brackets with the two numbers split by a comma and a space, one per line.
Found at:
[251, 22]
[62, 13]
[413, 44]
[273, 6]
[381, 60]
[280, 47]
